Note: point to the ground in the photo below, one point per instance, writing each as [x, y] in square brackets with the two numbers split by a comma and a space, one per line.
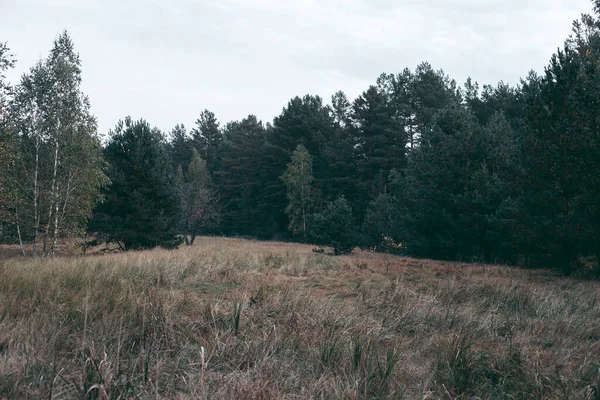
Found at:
[232, 318]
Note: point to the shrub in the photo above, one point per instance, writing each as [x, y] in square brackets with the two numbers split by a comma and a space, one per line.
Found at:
[335, 227]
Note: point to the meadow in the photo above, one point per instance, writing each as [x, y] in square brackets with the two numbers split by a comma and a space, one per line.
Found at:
[233, 318]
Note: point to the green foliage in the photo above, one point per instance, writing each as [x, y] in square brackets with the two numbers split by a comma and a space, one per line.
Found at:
[241, 178]
[561, 212]
[198, 175]
[341, 177]
[379, 225]
[335, 227]
[201, 199]
[491, 173]
[143, 206]
[390, 119]
[305, 121]
[180, 147]
[300, 192]
[207, 138]
[8, 153]
[458, 188]
[382, 140]
[60, 169]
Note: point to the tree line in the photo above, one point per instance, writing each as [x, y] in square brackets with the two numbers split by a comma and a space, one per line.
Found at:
[416, 164]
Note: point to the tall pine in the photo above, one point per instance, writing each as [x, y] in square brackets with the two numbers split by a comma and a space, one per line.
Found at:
[143, 205]
[240, 178]
[207, 138]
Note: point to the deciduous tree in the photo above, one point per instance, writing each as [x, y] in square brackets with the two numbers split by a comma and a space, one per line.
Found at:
[301, 194]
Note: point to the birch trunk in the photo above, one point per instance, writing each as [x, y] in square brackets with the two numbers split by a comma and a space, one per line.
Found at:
[55, 233]
[36, 212]
[303, 194]
[19, 232]
[63, 214]
[67, 197]
[53, 196]
[21, 248]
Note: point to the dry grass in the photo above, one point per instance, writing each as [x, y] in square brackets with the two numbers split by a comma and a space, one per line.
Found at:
[241, 319]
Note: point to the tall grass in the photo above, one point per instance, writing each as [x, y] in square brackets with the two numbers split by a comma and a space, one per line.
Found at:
[242, 319]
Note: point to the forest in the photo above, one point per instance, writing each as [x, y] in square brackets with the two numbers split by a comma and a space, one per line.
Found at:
[418, 164]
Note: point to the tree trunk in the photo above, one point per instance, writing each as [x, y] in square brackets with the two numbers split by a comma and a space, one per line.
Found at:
[36, 212]
[63, 214]
[55, 233]
[303, 195]
[67, 196]
[22, 249]
[53, 196]
[19, 232]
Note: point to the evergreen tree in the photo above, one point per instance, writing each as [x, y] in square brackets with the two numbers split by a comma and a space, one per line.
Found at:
[381, 141]
[143, 205]
[341, 178]
[378, 227]
[301, 195]
[241, 178]
[207, 138]
[6, 62]
[8, 154]
[457, 200]
[431, 92]
[335, 227]
[305, 121]
[492, 100]
[180, 147]
[561, 213]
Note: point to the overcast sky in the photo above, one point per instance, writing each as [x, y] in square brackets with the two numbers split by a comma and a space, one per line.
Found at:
[167, 60]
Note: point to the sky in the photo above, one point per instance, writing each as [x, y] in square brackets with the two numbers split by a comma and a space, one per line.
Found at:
[167, 60]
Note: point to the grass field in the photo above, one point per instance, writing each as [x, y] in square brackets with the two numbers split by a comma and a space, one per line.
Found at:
[240, 319]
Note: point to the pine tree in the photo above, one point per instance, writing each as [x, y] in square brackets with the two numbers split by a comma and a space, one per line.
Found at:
[301, 194]
[143, 205]
[382, 139]
[241, 178]
[561, 144]
[457, 201]
[8, 154]
[7, 62]
[378, 227]
[431, 91]
[341, 178]
[305, 121]
[207, 138]
[180, 147]
[335, 227]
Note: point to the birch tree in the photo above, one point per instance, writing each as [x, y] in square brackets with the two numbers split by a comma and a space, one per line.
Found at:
[61, 170]
[300, 192]
[201, 198]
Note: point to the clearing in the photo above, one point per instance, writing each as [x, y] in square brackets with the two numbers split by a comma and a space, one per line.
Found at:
[232, 318]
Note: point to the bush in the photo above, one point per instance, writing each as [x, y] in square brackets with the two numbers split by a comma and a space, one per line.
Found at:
[335, 227]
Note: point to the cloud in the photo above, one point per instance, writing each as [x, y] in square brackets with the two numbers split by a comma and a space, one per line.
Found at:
[168, 60]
